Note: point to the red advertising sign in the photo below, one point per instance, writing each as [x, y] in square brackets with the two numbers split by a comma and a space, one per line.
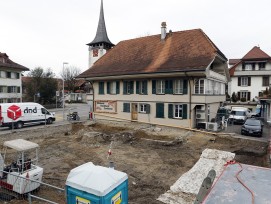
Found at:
[14, 112]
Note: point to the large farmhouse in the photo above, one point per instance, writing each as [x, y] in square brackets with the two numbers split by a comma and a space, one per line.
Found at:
[174, 78]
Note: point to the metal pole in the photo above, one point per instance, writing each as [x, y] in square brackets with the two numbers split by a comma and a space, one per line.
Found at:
[29, 198]
[63, 99]
[39, 198]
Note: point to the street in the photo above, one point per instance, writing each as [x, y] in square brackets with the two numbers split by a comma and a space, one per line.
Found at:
[82, 109]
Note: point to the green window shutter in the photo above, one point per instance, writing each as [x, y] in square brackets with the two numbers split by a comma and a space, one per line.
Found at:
[101, 88]
[170, 86]
[126, 107]
[239, 81]
[145, 85]
[249, 81]
[131, 87]
[18, 89]
[148, 108]
[159, 110]
[185, 86]
[170, 110]
[137, 87]
[125, 87]
[167, 87]
[185, 111]
[153, 86]
[108, 87]
[117, 87]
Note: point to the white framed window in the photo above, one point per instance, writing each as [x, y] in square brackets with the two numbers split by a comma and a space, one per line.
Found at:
[12, 89]
[244, 81]
[3, 89]
[178, 110]
[113, 87]
[243, 94]
[178, 86]
[13, 75]
[160, 87]
[3, 74]
[142, 108]
[248, 67]
[199, 86]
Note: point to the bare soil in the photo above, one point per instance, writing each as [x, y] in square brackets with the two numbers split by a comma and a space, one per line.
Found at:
[153, 157]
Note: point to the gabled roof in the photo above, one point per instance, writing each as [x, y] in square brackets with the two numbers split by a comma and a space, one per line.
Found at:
[256, 53]
[180, 51]
[101, 34]
[253, 55]
[7, 63]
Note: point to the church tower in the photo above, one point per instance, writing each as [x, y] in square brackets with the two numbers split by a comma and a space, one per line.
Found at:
[101, 43]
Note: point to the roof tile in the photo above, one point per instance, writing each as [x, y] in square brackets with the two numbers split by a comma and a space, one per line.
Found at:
[183, 50]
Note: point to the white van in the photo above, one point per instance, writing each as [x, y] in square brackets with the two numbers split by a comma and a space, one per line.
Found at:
[239, 114]
[18, 114]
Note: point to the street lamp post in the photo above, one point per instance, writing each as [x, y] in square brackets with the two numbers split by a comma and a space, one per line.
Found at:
[63, 98]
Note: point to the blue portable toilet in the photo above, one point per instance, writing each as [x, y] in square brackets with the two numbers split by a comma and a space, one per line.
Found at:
[91, 184]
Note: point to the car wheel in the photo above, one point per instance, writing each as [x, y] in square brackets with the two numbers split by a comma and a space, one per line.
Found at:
[49, 121]
[19, 125]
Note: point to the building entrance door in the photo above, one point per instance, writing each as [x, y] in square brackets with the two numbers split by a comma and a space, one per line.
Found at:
[134, 111]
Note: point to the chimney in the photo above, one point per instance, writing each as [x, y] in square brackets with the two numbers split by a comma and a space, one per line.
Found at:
[163, 30]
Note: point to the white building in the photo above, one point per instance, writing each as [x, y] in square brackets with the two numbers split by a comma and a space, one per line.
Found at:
[10, 80]
[250, 76]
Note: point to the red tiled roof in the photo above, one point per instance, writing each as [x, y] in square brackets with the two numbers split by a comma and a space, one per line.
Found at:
[181, 51]
[232, 69]
[80, 82]
[233, 61]
[26, 79]
[9, 63]
[256, 53]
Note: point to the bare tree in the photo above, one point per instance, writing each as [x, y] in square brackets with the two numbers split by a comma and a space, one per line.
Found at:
[68, 74]
[41, 85]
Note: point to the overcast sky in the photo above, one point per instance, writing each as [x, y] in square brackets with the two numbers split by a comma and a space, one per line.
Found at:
[47, 33]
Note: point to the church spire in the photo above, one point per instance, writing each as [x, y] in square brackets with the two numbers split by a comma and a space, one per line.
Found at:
[101, 38]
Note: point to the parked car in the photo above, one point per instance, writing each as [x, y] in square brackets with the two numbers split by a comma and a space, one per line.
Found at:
[252, 126]
[239, 114]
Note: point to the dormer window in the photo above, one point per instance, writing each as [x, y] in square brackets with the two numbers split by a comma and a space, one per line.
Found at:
[261, 65]
[248, 67]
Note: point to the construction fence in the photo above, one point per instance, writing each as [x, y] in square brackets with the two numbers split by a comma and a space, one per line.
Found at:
[44, 193]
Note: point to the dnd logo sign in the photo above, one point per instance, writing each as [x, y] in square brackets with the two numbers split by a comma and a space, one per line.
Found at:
[14, 112]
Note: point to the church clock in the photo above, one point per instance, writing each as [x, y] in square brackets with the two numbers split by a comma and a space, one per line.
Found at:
[95, 52]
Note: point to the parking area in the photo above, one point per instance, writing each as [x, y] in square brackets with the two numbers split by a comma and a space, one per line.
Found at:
[236, 128]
